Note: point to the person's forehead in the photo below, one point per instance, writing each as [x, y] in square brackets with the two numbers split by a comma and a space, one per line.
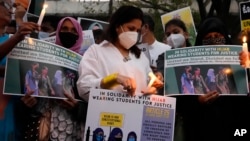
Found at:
[135, 22]
[214, 33]
[67, 23]
[173, 27]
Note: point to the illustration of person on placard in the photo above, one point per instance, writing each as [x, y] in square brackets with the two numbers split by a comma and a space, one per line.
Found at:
[210, 80]
[222, 81]
[132, 136]
[98, 135]
[200, 86]
[45, 87]
[68, 83]
[95, 26]
[57, 83]
[187, 81]
[31, 79]
[115, 135]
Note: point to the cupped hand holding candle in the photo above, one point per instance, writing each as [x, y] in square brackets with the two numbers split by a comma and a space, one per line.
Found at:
[153, 84]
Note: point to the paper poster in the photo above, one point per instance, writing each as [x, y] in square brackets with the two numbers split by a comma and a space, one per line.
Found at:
[185, 15]
[245, 15]
[92, 24]
[198, 70]
[88, 40]
[42, 69]
[144, 118]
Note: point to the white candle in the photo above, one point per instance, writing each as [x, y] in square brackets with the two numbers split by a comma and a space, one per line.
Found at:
[245, 49]
[42, 14]
[244, 45]
[152, 79]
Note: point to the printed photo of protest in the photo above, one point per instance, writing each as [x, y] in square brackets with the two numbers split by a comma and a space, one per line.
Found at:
[200, 79]
[45, 80]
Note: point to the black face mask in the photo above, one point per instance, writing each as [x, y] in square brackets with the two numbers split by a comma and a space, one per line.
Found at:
[118, 139]
[68, 39]
[214, 41]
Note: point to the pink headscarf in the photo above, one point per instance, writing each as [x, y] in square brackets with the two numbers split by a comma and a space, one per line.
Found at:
[76, 47]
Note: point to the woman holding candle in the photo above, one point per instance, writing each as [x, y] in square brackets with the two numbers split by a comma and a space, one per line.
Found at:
[7, 103]
[57, 119]
[117, 63]
[216, 111]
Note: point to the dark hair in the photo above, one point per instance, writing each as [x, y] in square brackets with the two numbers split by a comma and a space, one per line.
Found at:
[98, 35]
[212, 24]
[132, 133]
[186, 67]
[181, 24]
[149, 21]
[196, 68]
[123, 15]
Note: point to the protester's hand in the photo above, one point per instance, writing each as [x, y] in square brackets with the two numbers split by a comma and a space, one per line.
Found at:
[29, 100]
[128, 83]
[209, 97]
[207, 90]
[70, 102]
[19, 13]
[243, 58]
[158, 83]
[24, 29]
[52, 92]
[154, 69]
[150, 90]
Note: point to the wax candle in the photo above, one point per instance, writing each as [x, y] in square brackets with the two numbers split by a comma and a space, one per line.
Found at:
[42, 14]
[244, 45]
[245, 49]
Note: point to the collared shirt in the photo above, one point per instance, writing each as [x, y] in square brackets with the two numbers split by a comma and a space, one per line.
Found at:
[104, 59]
[154, 50]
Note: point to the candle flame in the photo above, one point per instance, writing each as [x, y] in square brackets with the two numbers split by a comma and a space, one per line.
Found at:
[45, 6]
[244, 39]
[227, 70]
[152, 80]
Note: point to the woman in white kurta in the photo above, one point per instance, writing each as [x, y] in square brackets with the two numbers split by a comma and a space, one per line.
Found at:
[117, 63]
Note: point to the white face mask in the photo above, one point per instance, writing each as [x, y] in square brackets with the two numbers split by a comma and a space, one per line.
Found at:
[176, 40]
[141, 37]
[128, 39]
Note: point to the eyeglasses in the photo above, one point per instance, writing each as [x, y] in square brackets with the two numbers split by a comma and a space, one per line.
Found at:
[6, 5]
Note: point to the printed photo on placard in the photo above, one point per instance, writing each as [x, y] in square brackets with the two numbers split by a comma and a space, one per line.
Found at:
[41, 69]
[198, 70]
[186, 16]
[92, 24]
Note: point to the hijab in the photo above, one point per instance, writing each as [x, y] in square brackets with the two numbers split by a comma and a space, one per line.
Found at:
[76, 47]
[209, 25]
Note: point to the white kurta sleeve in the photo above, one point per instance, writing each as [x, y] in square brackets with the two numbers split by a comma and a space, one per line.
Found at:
[89, 76]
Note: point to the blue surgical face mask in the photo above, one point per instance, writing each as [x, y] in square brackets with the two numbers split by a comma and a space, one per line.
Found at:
[99, 137]
[131, 139]
[42, 35]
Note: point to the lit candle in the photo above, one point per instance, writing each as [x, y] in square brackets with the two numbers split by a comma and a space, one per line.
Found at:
[152, 79]
[245, 49]
[42, 14]
[244, 45]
